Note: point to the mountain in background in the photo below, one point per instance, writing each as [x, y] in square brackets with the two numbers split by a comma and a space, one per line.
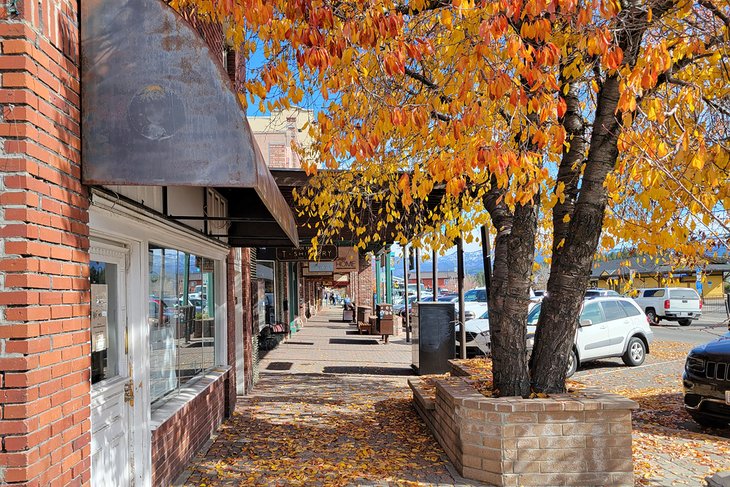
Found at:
[473, 263]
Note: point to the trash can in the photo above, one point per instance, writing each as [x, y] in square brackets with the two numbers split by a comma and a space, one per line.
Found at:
[384, 314]
[433, 337]
[363, 313]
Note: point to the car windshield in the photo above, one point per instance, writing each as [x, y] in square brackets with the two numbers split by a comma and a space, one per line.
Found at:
[475, 295]
[484, 316]
[533, 315]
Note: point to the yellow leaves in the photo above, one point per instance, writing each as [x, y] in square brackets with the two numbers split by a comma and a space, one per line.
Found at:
[446, 17]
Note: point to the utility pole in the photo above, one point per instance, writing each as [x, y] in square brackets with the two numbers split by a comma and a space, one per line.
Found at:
[388, 277]
[418, 274]
[405, 294]
[435, 275]
[460, 283]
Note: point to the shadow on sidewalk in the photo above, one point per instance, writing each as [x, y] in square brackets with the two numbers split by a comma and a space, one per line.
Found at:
[343, 369]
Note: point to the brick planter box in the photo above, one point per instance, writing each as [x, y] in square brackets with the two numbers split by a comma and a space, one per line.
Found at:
[567, 439]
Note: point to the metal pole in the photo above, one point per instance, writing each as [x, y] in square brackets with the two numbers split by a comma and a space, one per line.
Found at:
[405, 294]
[460, 283]
[418, 274]
[377, 279]
[435, 274]
[388, 278]
[487, 258]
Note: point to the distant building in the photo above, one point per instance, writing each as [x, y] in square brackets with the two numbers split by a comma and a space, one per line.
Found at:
[275, 135]
[643, 271]
[446, 279]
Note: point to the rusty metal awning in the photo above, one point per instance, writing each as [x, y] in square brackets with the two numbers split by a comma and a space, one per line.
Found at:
[158, 109]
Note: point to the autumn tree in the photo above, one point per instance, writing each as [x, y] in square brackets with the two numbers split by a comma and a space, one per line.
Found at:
[573, 115]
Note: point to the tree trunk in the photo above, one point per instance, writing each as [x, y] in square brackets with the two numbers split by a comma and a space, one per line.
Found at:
[510, 294]
[571, 265]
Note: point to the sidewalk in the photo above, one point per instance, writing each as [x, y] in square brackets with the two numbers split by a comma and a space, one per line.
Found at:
[332, 408]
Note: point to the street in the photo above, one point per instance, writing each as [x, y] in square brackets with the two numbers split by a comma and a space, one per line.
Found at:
[709, 327]
[669, 447]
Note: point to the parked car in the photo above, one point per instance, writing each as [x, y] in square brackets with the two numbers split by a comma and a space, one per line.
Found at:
[468, 313]
[608, 327]
[707, 383]
[478, 338]
[596, 293]
[679, 304]
[398, 307]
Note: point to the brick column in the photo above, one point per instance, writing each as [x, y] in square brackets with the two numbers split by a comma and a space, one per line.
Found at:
[365, 280]
[247, 303]
[230, 389]
[44, 287]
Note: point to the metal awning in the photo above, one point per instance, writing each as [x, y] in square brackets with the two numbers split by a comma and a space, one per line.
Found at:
[158, 109]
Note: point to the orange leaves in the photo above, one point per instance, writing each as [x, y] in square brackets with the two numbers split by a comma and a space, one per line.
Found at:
[455, 186]
[314, 57]
[538, 29]
[404, 184]
[562, 107]
[394, 62]
[613, 58]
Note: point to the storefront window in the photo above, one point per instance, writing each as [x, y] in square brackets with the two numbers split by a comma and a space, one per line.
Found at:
[181, 318]
[266, 296]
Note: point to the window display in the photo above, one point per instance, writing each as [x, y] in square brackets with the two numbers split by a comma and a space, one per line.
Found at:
[181, 318]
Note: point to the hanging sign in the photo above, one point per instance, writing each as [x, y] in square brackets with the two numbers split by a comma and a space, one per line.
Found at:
[326, 253]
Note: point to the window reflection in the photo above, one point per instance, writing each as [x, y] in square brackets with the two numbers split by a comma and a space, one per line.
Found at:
[104, 326]
[181, 318]
[266, 294]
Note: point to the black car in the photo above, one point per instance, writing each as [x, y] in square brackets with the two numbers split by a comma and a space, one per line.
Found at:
[707, 383]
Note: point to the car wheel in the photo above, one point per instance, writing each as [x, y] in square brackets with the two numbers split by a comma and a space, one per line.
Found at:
[651, 315]
[707, 422]
[572, 363]
[635, 352]
[685, 322]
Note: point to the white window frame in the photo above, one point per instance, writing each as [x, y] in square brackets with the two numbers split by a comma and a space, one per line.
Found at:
[117, 220]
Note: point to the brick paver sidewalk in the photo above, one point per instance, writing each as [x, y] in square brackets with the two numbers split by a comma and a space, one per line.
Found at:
[332, 408]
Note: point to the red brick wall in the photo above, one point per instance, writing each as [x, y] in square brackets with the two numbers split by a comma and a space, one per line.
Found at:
[44, 287]
[247, 302]
[177, 440]
[365, 281]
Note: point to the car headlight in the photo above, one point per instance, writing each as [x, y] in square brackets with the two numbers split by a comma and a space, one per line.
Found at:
[695, 364]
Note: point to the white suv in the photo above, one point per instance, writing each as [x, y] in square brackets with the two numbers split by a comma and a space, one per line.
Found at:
[608, 327]
[681, 304]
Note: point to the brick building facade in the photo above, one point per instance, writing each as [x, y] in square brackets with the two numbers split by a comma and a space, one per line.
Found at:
[125, 334]
[44, 335]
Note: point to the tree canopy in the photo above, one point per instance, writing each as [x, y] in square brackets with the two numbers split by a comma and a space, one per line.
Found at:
[561, 121]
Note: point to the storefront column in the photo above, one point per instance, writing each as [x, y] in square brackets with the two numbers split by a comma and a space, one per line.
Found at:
[388, 276]
[378, 277]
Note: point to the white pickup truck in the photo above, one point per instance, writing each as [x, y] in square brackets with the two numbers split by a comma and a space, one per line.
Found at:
[679, 304]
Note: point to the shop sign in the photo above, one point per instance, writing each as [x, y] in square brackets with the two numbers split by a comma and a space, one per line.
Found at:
[346, 260]
[326, 253]
[319, 269]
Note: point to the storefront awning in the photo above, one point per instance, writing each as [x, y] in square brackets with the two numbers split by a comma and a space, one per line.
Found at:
[160, 110]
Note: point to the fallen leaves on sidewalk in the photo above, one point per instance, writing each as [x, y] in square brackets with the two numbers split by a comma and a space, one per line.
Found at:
[366, 433]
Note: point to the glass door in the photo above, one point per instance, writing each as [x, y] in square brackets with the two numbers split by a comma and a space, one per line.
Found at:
[111, 392]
